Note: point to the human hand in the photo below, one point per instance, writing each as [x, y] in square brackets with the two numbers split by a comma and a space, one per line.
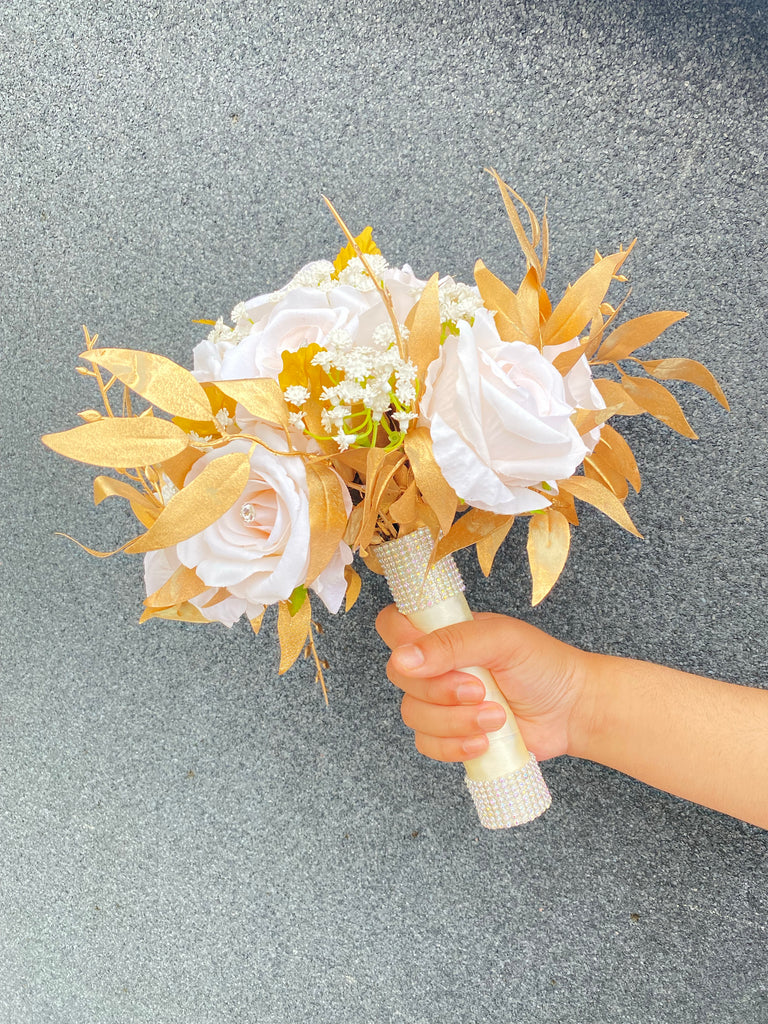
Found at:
[543, 679]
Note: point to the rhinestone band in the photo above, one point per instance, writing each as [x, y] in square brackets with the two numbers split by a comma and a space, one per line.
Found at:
[512, 799]
[404, 562]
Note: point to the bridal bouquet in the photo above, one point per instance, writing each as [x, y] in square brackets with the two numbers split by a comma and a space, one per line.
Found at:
[359, 409]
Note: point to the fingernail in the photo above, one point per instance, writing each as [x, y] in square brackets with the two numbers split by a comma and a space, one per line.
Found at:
[490, 719]
[409, 656]
[475, 746]
[470, 693]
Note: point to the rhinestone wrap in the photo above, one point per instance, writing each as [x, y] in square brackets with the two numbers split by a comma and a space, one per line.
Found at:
[513, 799]
[404, 561]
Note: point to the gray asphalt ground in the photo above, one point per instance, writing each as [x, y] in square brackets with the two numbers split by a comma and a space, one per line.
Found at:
[187, 838]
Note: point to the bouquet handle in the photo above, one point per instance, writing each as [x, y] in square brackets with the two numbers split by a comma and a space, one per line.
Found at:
[505, 782]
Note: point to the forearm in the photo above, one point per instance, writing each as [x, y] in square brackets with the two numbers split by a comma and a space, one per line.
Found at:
[698, 738]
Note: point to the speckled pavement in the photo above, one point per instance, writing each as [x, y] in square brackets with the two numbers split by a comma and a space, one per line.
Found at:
[187, 838]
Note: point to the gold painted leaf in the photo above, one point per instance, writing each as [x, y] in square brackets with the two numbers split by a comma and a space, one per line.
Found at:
[354, 583]
[528, 245]
[120, 443]
[586, 420]
[636, 333]
[600, 468]
[376, 487]
[176, 469]
[261, 396]
[565, 504]
[90, 415]
[424, 322]
[582, 300]
[622, 455]
[688, 370]
[108, 487]
[528, 307]
[470, 528]
[404, 510]
[500, 298]
[256, 623]
[655, 399]
[293, 632]
[594, 493]
[327, 517]
[179, 613]
[365, 243]
[488, 546]
[182, 586]
[436, 490]
[566, 361]
[199, 504]
[616, 398]
[549, 540]
[157, 379]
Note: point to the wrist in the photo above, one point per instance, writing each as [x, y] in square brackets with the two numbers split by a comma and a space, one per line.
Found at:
[588, 711]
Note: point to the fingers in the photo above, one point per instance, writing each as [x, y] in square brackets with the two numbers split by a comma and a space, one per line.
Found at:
[452, 721]
[440, 749]
[483, 641]
[394, 629]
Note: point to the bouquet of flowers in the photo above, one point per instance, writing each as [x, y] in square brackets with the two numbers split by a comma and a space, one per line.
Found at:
[359, 409]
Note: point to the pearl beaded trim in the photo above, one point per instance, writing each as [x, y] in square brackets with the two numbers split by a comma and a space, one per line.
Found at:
[512, 799]
[404, 561]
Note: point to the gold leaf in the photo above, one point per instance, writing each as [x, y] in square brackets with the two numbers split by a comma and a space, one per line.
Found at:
[354, 524]
[436, 490]
[119, 443]
[108, 487]
[256, 623]
[470, 528]
[566, 361]
[261, 396]
[688, 370]
[90, 415]
[564, 504]
[176, 469]
[91, 551]
[424, 322]
[622, 454]
[582, 300]
[598, 467]
[179, 613]
[182, 586]
[157, 379]
[616, 398]
[594, 493]
[364, 242]
[528, 306]
[404, 510]
[374, 492]
[293, 632]
[372, 562]
[528, 245]
[327, 517]
[354, 583]
[587, 419]
[633, 334]
[488, 546]
[198, 504]
[655, 399]
[549, 540]
[145, 508]
[499, 298]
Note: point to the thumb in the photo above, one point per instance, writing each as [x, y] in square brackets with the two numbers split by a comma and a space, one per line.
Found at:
[482, 642]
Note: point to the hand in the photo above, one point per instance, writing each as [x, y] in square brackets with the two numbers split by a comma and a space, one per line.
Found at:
[542, 678]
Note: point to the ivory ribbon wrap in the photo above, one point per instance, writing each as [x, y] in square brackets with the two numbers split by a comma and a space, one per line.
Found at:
[505, 782]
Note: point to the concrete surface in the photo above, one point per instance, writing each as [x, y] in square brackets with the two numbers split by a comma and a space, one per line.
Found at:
[187, 838]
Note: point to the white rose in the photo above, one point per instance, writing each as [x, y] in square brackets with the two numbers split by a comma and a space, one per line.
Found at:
[261, 561]
[499, 419]
[299, 315]
[580, 388]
